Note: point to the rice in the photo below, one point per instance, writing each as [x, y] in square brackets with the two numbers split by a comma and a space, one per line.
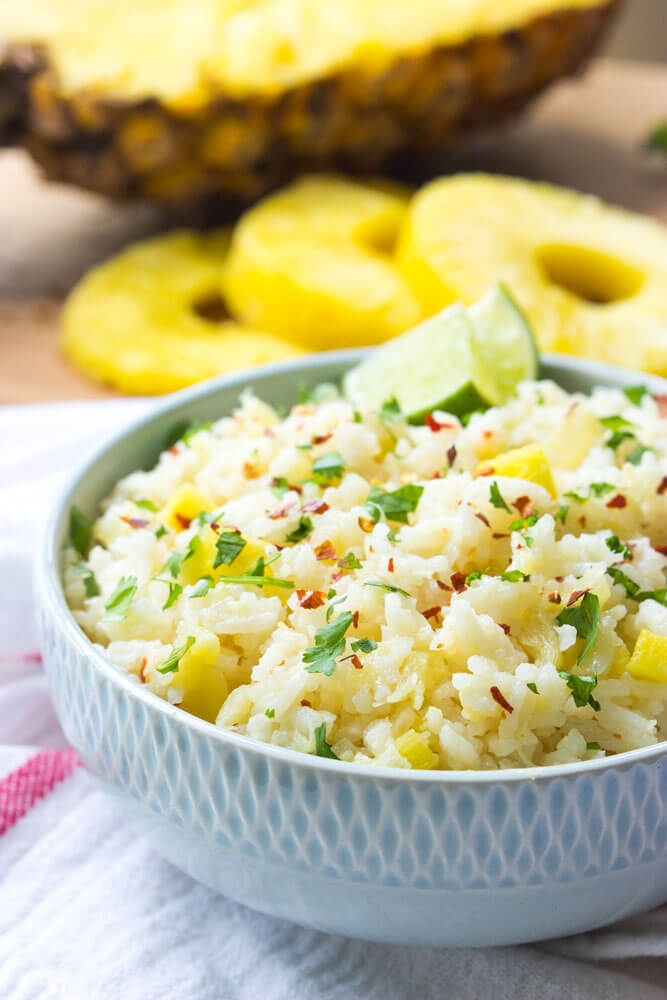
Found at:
[447, 641]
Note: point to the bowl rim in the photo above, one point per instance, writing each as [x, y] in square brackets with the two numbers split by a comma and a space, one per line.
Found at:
[51, 594]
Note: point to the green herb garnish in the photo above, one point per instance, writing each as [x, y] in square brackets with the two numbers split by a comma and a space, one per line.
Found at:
[303, 529]
[636, 455]
[392, 588]
[194, 428]
[635, 393]
[513, 576]
[582, 689]
[175, 591]
[532, 686]
[621, 578]
[280, 486]
[497, 499]
[476, 574]
[349, 561]
[600, 489]
[176, 655]
[228, 545]
[270, 713]
[364, 645]
[119, 603]
[329, 644]
[327, 467]
[160, 531]
[202, 586]
[390, 409]
[322, 748]
[88, 579]
[585, 617]
[395, 505]
[562, 513]
[615, 545]
[80, 530]
[593, 746]
[147, 505]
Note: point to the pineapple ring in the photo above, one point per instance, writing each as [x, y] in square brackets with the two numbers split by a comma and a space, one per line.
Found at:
[592, 278]
[151, 320]
[314, 262]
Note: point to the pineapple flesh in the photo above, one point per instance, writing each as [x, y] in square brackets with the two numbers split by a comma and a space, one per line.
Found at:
[151, 320]
[591, 278]
[213, 102]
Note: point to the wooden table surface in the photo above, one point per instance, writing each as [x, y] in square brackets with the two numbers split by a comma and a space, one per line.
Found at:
[586, 133]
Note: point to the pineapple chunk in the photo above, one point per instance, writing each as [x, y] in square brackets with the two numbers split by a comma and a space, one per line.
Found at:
[569, 445]
[528, 462]
[414, 747]
[183, 506]
[203, 682]
[201, 562]
[649, 658]
[314, 263]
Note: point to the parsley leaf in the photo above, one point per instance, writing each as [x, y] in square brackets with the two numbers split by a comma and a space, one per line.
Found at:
[513, 576]
[330, 608]
[636, 455]
[228, 546]
[147, 505]
[303, 529]
[270, 713]
[614, 544]
[160, 531]
[476, 574]
[576, 496]
[618, 576]
[582, 689]
[653, 595]
[617, 438]
[392, 588]
[173, 564]
[616, 423]
[585, 617]
[322, 748]
[257, 580]
[80, 530]
[532, 686]
[119, 603]
[202, 586]
[280, 486]
[350, 561]
[635, 393]
[524, 522]
[562, 513]
[176, 655]
[390, 409]
[593, 746]
[600, 489]
[393, 535]
[395, 505]
[194, 428]
[329, 644]
[89, 581]
[175, 591]
[497, 499]
[364, 645]
[327, 467]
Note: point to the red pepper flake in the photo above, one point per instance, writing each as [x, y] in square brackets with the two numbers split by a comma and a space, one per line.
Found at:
[321, 438]
[174, 450]
[281, 512]
[487, 434]
[214, 526]
[486, 470]
[458, 581]
[269, 432]
[142, 670]
[501, 700]
[442, 586]
[436, 425]
[432, 612]
[575, 595]
[582, 521]
[437, 475]
[662, 405]
[618, 502]
[524, 505]
[662, 549]
[390, 564]
[451, 455]
[306, 703]
[325, 551]
[310, 599]
[355, 620]
[571, 409]
[505, 628]
[554, 597]
[500, 534]
[484, 520]
[338, 575]
[139, 522]
[315, 506]
[366, 524]
[662, 487]
[184, 522]
[356, 662]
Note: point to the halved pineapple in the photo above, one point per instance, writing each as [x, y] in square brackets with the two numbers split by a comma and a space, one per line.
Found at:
[592, 278]
[206, 101]
[151, 319]
[314, 263]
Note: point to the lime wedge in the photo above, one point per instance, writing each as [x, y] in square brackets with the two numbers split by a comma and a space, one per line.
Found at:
[457, 361]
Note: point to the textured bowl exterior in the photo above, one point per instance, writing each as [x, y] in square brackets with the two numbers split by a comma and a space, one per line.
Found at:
[452, 858]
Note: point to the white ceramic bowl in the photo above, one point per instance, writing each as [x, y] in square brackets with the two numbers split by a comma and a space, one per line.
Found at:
[453, 858]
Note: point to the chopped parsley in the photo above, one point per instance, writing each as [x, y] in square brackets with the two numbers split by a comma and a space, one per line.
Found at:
[202, 586]
[513, 576]
[393, 535]
[617, 438]
[600, 489]
[330, 608]
[175, 591]
[562, 513]
[329, 644]
[390, 409]
[585, 617]
[80, 530]
[147, 505]
[270, 713]
[322, 748]
[616, 423]
[327, 467]
[476, 574]
[194, 428]
[280, 486]
[306, 446]
[615, 545]
[395, 505]
[228, 546]
[635, 456]
[497, 499]
[532, 686]
[176, 655]
[621, 578]
[364, 645]
[653, 595]
[119, 603]
[357, 417]
[635, 393]
[160, 531]
[582, 689]
[173, 563]
[593, 746]
[88, 579]
[524, 522]
[256, 579]
[576, 496]
[349, 561]
[302, 531]
[391, 587]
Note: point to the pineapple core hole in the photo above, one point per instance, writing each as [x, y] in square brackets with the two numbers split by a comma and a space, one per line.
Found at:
[212, 307]
[591, 275]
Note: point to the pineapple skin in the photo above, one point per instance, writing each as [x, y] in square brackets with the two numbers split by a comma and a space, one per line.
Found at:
[210, 160]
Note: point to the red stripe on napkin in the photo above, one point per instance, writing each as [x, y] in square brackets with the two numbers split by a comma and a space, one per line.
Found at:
[22, 788]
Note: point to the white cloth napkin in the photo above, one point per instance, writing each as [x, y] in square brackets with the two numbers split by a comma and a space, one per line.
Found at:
[89, 912]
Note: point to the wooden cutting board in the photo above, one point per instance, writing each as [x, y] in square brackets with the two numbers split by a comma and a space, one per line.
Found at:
[586, 133]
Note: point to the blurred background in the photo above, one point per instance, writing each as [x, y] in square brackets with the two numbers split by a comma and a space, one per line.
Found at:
[641, 32]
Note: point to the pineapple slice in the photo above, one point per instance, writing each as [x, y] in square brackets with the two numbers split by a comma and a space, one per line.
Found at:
[567, 447]
[528, 462]
[201, 562]
[649, 658]
[139, 321]
[414, 747]
[591, 278]
[183, 506]
[203, 683]
[314, 263]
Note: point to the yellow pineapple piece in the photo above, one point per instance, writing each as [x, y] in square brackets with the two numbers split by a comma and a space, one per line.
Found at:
[528, 462]
[184, 505]
[649, 658]
[568, 446]
[313, 263]
[151, 319]
[203, 682]
[201, 562]
[414, 747]
[592, 279]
